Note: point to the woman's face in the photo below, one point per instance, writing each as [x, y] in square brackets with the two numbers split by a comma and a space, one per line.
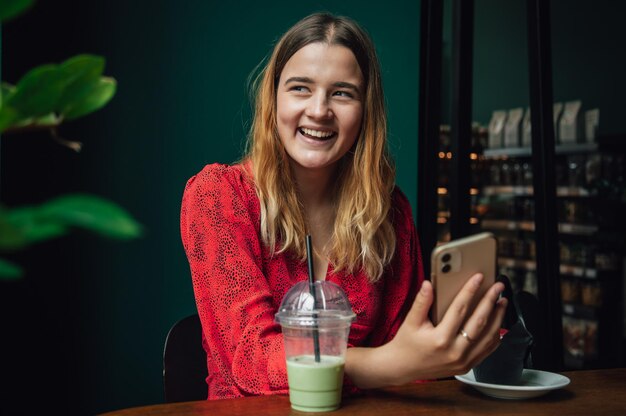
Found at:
[319, 106]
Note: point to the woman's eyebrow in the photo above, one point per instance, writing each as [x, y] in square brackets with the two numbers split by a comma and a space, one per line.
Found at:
[349, 85]
[304, 80]
[338, 84]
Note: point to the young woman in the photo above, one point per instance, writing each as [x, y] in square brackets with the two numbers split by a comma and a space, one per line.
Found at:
[318, 164]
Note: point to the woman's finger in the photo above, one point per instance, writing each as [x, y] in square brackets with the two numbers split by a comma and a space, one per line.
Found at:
[421, 305]
[480, 318]
[487, 342]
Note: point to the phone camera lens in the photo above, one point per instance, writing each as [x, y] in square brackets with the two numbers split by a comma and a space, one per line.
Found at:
[446, 268]
[446, 258]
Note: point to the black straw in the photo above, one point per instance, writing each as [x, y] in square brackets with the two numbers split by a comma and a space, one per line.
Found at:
[309, 257]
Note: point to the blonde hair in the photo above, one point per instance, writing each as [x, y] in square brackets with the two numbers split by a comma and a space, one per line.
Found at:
[363, 235]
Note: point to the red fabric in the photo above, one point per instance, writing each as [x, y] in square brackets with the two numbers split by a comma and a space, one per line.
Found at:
[238, 287]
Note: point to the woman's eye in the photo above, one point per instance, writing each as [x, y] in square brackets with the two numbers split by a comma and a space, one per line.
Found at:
[344, 94]
[299, 88]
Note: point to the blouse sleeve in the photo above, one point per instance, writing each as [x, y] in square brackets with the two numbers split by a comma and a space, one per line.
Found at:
[234, 301]
[405, 275]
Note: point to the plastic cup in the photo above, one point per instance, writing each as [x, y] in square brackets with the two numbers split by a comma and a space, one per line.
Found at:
[315, 339]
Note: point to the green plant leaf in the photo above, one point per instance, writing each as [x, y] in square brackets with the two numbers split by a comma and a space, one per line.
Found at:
[9, 271]
[92, 213]
[8, 117]
[96, 98]
[50, 120]
[82, 73]
[32, 226]
[38, 92]
[12, 8]
[10, 236]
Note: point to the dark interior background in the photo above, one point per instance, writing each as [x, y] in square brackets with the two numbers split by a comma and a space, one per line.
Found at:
[83, 332]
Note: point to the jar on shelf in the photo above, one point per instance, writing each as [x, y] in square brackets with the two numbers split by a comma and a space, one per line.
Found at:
[592, 169]
[576, 211]
[517, 177]
[570, 290]
[607, 259]
[574, 336]
[591, 339]
[528, 209]
[576, 171]
[495, 177]
[532, 249]
[506, 173]
[591, 293]
[527, 174]
[565, 253]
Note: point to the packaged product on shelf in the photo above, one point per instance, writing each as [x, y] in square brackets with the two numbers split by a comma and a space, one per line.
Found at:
[526, 129]
[565, 253]
[591, 293]
[506, 173]
[557, 110]
[572, 212]
[580, 338]
[512, 128]
[587, 255]
[532, 249]
[606, 258]
[574, 336]
[494, 173]
[527, 174]
[591, 339]
[592, 170]
[571, 122]
[576, 171]
[496, 129]
[592, 121]
[581, 254]
[516, 173]
[475, 144]
[528, 209]
[570, 290]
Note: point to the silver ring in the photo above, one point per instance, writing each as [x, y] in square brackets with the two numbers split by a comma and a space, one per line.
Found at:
[467, 337]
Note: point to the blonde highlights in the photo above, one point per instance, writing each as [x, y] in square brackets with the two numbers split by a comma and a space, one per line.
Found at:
[363, 234]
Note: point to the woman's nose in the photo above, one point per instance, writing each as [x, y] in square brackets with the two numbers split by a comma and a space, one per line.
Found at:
[318, 107]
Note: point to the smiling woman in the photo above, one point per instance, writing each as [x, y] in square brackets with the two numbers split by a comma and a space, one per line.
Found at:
[318, 164]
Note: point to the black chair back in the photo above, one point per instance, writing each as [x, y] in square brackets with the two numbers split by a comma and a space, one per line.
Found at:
[184, 362]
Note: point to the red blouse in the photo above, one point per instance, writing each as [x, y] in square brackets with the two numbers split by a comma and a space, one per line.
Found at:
[238, 286]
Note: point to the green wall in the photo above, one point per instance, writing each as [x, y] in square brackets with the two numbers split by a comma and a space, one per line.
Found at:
[182, 102]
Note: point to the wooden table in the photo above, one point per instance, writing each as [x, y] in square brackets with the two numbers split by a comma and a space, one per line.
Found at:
[596, 392]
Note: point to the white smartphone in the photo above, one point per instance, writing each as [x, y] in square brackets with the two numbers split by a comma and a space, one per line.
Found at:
[453, 263]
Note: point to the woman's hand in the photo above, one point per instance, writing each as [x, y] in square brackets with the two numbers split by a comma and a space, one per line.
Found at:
[421, 350]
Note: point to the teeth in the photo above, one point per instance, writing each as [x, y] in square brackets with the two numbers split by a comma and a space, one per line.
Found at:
[316, 133]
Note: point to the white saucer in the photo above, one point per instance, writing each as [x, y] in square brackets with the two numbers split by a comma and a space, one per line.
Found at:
[534, 383]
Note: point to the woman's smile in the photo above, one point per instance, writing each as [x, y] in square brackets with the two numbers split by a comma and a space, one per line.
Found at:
[317, 134]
